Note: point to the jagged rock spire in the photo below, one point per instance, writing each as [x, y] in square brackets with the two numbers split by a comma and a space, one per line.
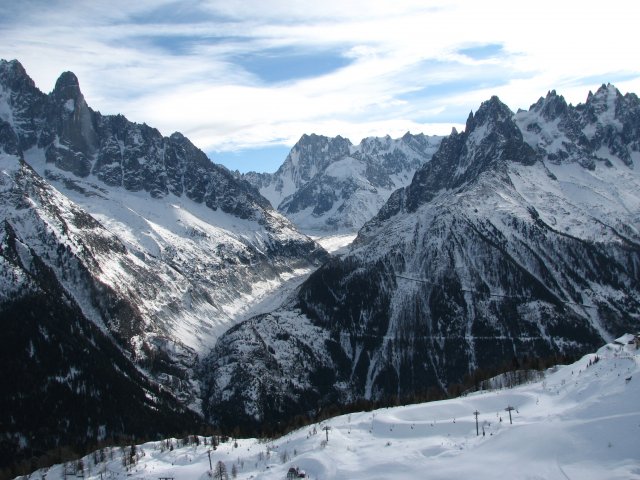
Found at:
[67, 87]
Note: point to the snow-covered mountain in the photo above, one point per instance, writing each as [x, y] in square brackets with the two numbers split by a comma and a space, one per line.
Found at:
[138, 234]
[579, 421]
[65, 381]
[328, 185]
[520, 237]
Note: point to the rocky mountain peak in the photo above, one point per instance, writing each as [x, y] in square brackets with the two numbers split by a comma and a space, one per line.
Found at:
[408, 135]
[314, 140]
[67, 87]
[329, 184]
[318, 150]
[23, 102]
[74, 124]
[177, 137]
[311, 155]
[603, 91]
[605, 125]
[551, 107]
[490, 112]
[490, 140]
[605, 99]
[492, 136]
[14, 76]
[371, 145]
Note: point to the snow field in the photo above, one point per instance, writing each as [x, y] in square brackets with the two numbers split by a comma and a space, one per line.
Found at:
[334, 244]
[205, 290]
[581, 422]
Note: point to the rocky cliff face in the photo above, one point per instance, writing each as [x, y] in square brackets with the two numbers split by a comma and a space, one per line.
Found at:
[521, 236]
[328, 184]
[117, 152]
[146, 243]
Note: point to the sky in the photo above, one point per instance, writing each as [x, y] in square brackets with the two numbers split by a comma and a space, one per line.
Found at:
[244, 80]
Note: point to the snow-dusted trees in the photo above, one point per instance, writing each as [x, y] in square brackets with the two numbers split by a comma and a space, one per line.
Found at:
[220, 471]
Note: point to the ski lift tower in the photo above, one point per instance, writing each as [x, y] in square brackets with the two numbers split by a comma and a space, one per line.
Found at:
[509, 409]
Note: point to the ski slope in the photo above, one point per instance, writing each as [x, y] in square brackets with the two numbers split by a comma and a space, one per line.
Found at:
[582, 421]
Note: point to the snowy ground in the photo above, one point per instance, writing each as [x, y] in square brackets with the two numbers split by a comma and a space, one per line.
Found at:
[334, 244]
[271, 299]
[581, 422]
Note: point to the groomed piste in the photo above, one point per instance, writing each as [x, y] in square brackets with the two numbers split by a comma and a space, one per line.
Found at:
[582, 421]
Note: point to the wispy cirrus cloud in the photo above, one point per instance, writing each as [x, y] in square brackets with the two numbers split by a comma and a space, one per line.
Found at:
[257, 74]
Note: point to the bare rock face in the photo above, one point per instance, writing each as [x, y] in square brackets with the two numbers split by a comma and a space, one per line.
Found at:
[73, 135]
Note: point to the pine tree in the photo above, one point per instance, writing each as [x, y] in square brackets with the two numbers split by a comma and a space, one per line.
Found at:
[133, 454]
[220, 471]
[80, 468]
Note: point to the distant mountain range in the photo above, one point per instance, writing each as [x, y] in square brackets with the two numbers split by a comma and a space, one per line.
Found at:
[329, 185]
[520, 237]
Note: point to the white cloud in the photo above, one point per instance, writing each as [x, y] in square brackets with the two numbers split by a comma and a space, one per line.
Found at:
[174, 65]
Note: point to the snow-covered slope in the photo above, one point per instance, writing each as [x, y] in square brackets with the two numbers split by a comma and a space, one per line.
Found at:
[64, 379]
[580, 421]
[160, 248]
[328, 184]
[211, 243]
[212, 264]
[521, 236]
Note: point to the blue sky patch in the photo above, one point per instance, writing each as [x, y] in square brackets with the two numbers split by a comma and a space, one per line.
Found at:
[442, 90]
[174, 44]
[286, 64]
[597, 80]
[179, 12]
[482, 52]
[264, 159]
[184, 44]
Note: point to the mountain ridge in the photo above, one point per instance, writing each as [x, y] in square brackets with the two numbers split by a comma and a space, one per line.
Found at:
[512, 240]
[149, 245]
[327, 184]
